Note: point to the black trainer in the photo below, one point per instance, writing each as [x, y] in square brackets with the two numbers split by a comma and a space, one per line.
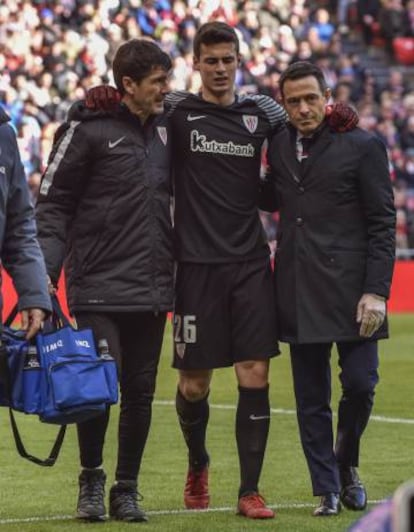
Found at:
[123, 504]
[91, 505]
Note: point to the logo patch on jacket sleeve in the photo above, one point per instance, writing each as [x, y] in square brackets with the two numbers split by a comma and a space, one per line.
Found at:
[162, 132]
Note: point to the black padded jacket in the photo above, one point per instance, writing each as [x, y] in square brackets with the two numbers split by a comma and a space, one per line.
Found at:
[104, 212]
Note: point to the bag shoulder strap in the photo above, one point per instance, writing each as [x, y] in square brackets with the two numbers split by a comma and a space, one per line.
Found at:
[54, 453]
[12, 315]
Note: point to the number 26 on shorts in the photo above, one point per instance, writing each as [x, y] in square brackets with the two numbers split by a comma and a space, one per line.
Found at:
[185, 329]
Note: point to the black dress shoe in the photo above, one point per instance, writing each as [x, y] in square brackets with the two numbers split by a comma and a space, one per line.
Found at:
[329, 505]
[353, 493]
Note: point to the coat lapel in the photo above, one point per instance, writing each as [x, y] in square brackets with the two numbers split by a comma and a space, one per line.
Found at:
[322, 140]
[288, 155]
[298, 171]
[287, 151]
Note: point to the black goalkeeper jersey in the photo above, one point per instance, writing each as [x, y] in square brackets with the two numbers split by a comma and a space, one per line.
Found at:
[217, 155]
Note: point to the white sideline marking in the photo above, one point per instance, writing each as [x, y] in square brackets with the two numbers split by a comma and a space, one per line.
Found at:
[287, 506]
[384, 419]
[283, 411]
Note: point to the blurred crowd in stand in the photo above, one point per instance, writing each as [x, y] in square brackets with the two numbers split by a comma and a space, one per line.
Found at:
[51, 52]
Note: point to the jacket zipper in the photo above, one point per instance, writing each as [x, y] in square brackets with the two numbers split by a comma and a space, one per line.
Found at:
[155, 290]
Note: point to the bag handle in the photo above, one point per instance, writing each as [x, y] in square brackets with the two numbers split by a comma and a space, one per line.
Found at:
[58, 312]
[58, 316]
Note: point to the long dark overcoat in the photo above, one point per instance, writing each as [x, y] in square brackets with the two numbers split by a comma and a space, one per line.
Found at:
[336, 237]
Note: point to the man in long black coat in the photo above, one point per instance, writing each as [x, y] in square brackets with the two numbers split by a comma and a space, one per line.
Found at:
[333, 271]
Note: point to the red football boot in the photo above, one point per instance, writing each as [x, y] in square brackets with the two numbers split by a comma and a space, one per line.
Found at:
[196, 496]
[254, 507]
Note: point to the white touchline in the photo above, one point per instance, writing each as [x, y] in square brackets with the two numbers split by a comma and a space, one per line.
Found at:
[289, 412]
[282, 506]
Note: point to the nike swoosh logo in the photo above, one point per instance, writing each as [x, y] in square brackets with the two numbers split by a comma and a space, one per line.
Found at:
[190, 118]
[115, 142]
[257, 418]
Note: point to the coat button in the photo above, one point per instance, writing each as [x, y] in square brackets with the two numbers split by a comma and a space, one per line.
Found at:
[299, 221]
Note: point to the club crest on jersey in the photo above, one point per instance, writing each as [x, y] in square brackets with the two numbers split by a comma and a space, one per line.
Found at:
[162, 132]
[180, 348]
[250, 122]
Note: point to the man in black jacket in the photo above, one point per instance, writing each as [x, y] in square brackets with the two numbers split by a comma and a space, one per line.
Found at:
[333, 270]
[104, 209]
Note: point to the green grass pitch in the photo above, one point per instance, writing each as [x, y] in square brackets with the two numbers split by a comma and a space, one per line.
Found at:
[44, 499]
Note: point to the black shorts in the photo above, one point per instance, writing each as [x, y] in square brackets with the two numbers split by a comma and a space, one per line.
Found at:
[224, 313]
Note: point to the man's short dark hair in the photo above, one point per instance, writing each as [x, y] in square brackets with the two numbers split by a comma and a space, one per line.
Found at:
[302, 69]
[136, 59]
[214, 33]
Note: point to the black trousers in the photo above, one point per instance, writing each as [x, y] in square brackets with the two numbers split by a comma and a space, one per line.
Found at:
[135, 340]
[312, 383]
